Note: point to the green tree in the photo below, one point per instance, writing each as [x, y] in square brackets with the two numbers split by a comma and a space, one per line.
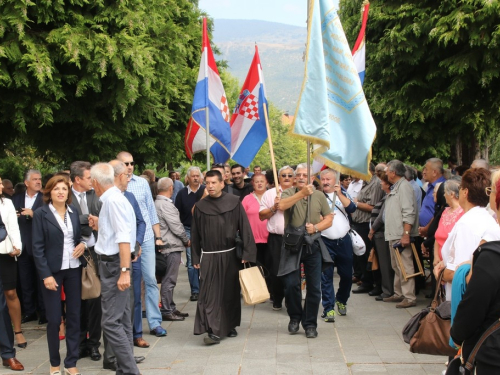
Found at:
[432, 75]
[288, 150]
[87, 79]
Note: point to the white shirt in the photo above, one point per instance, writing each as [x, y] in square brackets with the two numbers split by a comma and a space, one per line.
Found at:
[69, 243]
[9, 218]
[275, 224]
[91, 240]
[29, 201]
[117, 223]
[474, 226]
[354, 188]
[340, 225]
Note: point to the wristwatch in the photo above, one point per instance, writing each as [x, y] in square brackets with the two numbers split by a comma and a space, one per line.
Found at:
[406, 232]
[316, 229]
[125, 269]
[157, 238]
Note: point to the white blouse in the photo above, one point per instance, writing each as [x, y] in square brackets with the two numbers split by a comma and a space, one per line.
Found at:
[9, 218]
[69, 244]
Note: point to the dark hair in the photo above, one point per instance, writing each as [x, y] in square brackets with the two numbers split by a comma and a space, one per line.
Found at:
[214, 173]
[150, 174]
[476, 181]
[77, 168]
[460, 170]
[344, 177]
[270, 177]
[46, 178]
[19, 188]
[383, 177]
[170, 173]
[154, 189]
[256, 166]
[238, 166]
[51, 184]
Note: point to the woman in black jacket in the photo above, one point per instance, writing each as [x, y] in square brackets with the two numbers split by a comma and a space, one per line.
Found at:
[57, 247]
[480, 305]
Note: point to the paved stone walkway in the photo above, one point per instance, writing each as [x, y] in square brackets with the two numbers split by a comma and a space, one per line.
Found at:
[366, 341]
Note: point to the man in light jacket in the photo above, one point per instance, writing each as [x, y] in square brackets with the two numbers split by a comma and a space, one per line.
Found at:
[176, 240]
[401, 223]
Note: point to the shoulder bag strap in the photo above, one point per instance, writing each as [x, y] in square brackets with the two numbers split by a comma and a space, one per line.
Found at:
[335, 204]
[469, 365]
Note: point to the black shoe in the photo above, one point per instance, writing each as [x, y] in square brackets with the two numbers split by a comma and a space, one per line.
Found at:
[29, 318]
[171, 318]
[83, 353]
[178, 313]
[109, 366]
[375, 292]
[277, 306]
[139, 359]
[211, 339]
[194, 297]
[144, 315]
[94, 354]
[311, 333]
[293, 327]
[362, 289]
[42, 320]
[379, 298]
[232, 333]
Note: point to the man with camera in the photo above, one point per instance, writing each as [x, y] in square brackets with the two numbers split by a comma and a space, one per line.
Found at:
[401, 223]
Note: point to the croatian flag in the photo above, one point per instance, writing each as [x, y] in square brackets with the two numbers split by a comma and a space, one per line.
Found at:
[248, 124]
[358, 52]
[209, 96]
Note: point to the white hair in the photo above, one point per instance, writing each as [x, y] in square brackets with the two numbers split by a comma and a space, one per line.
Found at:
[195, 169]
[164, 184]
[103, 173]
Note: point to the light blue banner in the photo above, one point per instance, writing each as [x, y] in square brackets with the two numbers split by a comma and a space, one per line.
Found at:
[332, 111]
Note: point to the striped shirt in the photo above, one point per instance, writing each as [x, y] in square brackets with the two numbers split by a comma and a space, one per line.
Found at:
[140, 188]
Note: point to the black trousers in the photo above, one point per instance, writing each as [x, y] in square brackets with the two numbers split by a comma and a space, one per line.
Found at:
[31, 285]
[7, 350]
[361, 262]
[274, 247]
[71, 280]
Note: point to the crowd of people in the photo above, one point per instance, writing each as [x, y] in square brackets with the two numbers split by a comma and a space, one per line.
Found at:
[135, 228]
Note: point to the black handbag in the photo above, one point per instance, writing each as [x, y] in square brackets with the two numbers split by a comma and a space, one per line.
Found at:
[293, 237]
[161, 261]
[3, 230]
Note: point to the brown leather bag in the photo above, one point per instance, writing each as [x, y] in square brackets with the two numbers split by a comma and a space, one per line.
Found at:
[91, 285]
[433, 334]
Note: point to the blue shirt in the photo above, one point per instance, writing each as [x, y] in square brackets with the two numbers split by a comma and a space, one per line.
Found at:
[139, 220]
[142, 192]
[418, 192]
[177, 187]
[427, 211]
[116, 223]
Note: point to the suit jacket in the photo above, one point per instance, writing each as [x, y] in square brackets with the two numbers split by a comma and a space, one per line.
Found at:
[139, 219]
[25, 225]
[48, 240]
[94, 206]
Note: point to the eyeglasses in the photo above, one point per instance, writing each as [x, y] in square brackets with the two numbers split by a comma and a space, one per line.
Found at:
[488, 191]
[284, 175]
[301, 175]
[217, 165]
[127, 163]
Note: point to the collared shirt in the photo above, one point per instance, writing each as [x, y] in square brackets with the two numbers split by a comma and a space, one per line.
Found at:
[418, 192]
[427, 210]
[371, 194]
[90, 240]
[354, 188]
[191, 190]
[142, 192]
[29, 201]
[69, 243]
[117, 223]
[275, 224]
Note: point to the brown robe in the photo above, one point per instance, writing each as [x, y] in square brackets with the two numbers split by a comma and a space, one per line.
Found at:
[214, 227]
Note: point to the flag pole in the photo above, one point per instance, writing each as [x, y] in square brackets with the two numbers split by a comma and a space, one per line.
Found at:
[308, 180]
[271, 150]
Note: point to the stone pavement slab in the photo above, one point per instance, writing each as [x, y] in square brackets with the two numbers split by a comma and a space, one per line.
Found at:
[366, 341]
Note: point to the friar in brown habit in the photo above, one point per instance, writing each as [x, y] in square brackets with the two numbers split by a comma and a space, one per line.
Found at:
[216, 220]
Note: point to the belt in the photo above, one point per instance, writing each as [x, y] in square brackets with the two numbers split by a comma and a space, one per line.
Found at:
[215, 252]
[108, 258]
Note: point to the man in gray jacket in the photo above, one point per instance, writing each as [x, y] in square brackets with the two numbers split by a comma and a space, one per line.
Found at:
[401, 223]
[175, 239]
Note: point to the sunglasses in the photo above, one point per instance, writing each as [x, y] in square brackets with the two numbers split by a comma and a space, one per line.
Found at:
[217, 165]
[284, 175]
[127, 163]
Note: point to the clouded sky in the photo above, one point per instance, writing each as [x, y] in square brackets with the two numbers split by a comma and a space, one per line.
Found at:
[292, 12]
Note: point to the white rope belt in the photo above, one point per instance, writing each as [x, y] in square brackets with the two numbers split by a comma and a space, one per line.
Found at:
[214, 252]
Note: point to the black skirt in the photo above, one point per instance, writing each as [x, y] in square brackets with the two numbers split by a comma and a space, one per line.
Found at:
[8, 271]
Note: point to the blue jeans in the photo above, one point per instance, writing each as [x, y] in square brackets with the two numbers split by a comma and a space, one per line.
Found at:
[152, 293]
[137, 306]
[293, 296]
[193, 273]
[341, 252]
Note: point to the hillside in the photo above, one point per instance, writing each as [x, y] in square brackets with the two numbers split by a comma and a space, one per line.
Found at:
[281, 48]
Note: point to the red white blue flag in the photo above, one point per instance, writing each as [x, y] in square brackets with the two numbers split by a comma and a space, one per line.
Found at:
[248, 124]
[209, 96]
[359, 50]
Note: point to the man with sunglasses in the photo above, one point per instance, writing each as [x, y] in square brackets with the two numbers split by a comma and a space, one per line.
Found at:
[275, 225]
[140, 188]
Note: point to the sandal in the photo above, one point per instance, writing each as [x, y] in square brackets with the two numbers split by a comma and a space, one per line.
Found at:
[22, 345]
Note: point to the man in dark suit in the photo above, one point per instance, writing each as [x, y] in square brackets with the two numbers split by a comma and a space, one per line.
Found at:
[87, 202]
[26, 204]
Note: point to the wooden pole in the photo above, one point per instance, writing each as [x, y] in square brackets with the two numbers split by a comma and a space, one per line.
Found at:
[308, 180]
[271, 150]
